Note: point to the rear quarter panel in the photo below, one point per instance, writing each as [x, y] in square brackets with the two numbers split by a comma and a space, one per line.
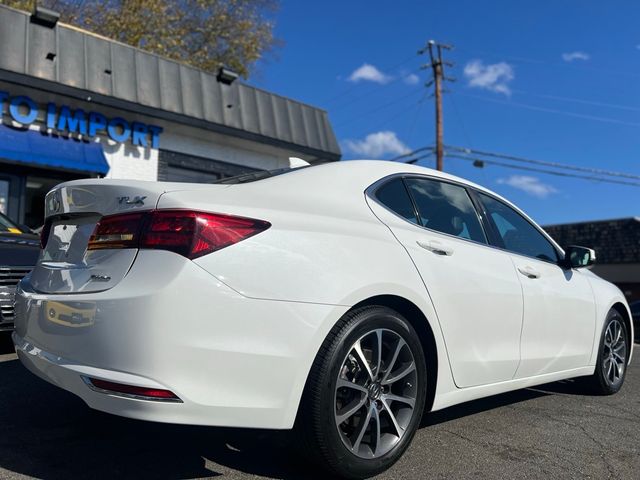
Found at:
[321, 248]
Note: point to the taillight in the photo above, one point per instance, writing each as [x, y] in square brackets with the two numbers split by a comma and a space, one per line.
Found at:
[117, 231]
[188, 233]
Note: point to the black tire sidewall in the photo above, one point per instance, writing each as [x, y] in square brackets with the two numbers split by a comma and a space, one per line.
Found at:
[359, 325]
[602, 383]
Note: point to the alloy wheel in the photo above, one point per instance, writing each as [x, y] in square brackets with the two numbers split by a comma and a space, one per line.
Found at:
[614, 353]
[375, 393]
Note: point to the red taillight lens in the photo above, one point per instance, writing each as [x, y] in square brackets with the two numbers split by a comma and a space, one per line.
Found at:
[144, 392]
[117, 231]
[194, 234]
[188, 233]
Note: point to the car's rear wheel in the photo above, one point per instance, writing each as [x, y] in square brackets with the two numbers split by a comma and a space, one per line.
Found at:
[365, 394]
[613, 354]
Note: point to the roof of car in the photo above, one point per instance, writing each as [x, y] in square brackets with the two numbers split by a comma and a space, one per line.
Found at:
[366, 172]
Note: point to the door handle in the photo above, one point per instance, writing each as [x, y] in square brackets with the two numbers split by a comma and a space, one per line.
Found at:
[436, 247]
[529, 272]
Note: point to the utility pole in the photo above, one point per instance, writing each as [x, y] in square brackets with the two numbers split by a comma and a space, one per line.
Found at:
[437, 65]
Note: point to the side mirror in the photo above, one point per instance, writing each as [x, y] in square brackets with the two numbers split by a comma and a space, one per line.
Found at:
[579, 257]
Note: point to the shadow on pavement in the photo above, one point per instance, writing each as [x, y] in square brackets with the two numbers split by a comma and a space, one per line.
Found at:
[478, 406]
[48, 433]
[574, 386]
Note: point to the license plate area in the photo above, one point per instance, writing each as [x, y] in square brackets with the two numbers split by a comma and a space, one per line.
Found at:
[68, 239]
[66, 266]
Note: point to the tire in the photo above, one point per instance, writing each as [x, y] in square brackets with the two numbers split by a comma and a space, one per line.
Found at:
[613, 355]
[345, 401]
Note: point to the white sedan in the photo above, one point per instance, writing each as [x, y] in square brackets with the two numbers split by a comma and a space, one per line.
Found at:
[340, 300]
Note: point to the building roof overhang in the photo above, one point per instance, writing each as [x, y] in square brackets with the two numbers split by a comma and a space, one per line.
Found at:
[69, 61]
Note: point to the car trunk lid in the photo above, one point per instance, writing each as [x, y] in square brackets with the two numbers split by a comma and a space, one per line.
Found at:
[72, 211]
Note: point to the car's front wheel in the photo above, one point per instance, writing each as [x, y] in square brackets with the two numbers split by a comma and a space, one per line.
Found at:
[613, 354]
[365, 394]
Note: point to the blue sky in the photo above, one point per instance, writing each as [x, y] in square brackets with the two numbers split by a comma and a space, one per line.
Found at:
[554, 81]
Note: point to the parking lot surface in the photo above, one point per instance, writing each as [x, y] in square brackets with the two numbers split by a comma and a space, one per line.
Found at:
[550, 432]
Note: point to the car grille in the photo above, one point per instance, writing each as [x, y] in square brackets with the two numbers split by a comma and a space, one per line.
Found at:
[9, 278]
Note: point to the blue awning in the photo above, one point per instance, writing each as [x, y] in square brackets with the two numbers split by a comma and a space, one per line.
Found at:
[35, 148]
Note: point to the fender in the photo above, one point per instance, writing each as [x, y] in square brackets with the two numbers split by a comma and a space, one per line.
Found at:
[606, 295]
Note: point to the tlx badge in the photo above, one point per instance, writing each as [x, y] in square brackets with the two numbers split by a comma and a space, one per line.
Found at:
[137, 200]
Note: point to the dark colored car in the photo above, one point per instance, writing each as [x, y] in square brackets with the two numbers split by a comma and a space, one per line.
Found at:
[19, 250]
[635, 313]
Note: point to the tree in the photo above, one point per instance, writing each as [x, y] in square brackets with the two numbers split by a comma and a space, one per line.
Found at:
[203, 33]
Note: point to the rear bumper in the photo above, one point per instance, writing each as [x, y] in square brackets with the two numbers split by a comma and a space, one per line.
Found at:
[69, 375]
[233, 361]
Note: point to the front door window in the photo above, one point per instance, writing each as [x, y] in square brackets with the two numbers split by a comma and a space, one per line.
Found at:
[517, 233]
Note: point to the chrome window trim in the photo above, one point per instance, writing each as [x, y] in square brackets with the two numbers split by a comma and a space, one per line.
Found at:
[525, 217]
[466, 190]
[371, 189]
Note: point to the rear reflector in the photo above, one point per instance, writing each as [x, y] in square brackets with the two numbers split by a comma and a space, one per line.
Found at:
[144, 393]
[188, 233]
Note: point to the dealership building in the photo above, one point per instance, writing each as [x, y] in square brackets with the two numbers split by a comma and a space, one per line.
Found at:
[77, 105]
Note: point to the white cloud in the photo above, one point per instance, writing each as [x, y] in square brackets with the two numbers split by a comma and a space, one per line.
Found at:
[411, 79]
[531, 185]
[494, 77]
[369, 73]
[377, 145]
[571, 56]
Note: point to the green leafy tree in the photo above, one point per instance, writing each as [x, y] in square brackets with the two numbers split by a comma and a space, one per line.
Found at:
[202, 33]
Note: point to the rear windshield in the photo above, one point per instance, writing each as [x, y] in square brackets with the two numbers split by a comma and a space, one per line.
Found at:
[7, 226]
[255, 176]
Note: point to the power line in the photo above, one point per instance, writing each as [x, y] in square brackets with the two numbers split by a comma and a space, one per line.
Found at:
[551, 110]
[460, 119]
[404, 111]
[356, 86]
[480, 156]
[537, 61]
[596, 171]
[414, 120]
[578, 100]
[420, 157]
[411, 153]
[367, 93]
[541, 170]
[378, 108]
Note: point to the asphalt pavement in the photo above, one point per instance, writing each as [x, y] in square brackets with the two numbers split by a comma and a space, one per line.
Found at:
[553, 432]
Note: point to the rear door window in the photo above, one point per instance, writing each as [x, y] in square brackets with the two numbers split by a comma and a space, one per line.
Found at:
[446, 208]
[395, 197]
